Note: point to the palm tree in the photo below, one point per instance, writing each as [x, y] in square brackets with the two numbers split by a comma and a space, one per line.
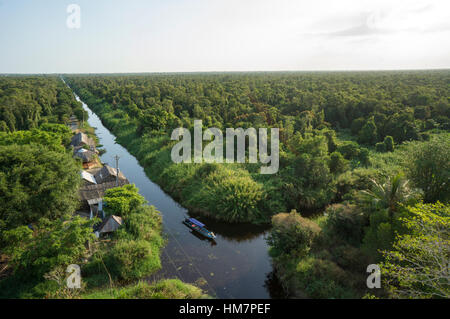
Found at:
[389, 195]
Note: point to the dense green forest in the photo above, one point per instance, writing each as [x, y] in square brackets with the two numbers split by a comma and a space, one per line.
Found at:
[331, 125]
[364, 167]
[363, 179]
[26, 102]
[40, 231]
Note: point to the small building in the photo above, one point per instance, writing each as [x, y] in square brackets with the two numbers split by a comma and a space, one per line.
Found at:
[81, 139]
[109, 174]
[109, 225]
[92, 195]
[87, 157]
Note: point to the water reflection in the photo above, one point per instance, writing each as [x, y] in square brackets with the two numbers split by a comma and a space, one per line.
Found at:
[212, 242]
[233, 232]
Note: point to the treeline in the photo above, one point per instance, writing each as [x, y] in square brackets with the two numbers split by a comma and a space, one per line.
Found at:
[372, 105]
[26, 102]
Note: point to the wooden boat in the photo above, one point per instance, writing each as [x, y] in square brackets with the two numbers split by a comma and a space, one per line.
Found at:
[199, 227]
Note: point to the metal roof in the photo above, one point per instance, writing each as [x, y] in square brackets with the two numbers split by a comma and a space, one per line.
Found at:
[196, 222]
[88, 176]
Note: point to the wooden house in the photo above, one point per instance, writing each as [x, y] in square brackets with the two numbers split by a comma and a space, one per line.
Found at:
[109, 174]
[109, 225]
[88, 158]
[81, 139]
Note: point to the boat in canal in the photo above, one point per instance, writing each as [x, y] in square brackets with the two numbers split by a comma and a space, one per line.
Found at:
[199, 227]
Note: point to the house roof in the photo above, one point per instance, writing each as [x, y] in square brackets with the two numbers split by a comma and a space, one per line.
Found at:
[80, 139]
[98, 190]
[106, 172]
[110, 224]
[94, 201]
[85, 155]
[88, 177]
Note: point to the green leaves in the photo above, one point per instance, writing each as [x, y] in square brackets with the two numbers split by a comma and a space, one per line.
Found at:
[417, 265]
[123, 200]
[428, 166]
[36, 182]
[54, 243]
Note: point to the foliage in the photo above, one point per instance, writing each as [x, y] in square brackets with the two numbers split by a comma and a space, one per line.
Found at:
[26, 102]
[428, 167]
[164, 289]
[388, 195]
[338, 164]
[122, 200]
[308, 108]
[51, 244]
[130, 260]
[292, 234]
[417, 264]
[344, 223]
[36, 182]
[368, 134]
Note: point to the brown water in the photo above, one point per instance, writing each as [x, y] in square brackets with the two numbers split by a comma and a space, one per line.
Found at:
[235, 265]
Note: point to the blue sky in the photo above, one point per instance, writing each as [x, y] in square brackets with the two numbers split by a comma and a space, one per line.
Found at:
[223, 35]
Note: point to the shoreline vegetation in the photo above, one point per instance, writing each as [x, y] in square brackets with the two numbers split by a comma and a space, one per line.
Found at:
[40, 232]
[363, 179]
[364, 163]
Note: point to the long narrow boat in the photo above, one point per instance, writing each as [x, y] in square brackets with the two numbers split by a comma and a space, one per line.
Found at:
[199, 227]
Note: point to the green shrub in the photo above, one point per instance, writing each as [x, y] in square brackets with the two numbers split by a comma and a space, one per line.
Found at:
[388, 144]
[349, 150]
[292, 234]
[321, 278]
[338, 164]
[345, 223]
[130, 260]
[123, 200]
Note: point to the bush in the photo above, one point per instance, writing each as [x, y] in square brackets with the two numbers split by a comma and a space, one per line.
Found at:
[292, 234]
[344, 223]
[144, 223]
[349, 150]
[230, 195]
[338, 164]
[123, 200]
[388, 144]
[428, 166]
[321, 278]
[130, 260]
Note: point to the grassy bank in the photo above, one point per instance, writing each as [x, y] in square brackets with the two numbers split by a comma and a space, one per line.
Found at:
[164, 289]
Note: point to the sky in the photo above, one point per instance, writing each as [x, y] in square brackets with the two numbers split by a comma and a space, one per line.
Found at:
[223, 35]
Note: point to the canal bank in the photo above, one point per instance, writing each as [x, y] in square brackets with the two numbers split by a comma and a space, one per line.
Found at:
[236, 265]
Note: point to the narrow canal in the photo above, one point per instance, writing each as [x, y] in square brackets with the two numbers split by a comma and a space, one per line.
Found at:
[236, 265]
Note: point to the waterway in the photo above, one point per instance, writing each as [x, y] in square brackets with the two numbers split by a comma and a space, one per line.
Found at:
[235, 265]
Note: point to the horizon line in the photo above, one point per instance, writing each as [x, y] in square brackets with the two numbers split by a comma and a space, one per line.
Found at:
[236, 71]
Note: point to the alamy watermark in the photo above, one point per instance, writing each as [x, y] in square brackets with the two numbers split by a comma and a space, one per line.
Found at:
[74, 19]
[374, 279]
[213, 152]
[73, 281]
